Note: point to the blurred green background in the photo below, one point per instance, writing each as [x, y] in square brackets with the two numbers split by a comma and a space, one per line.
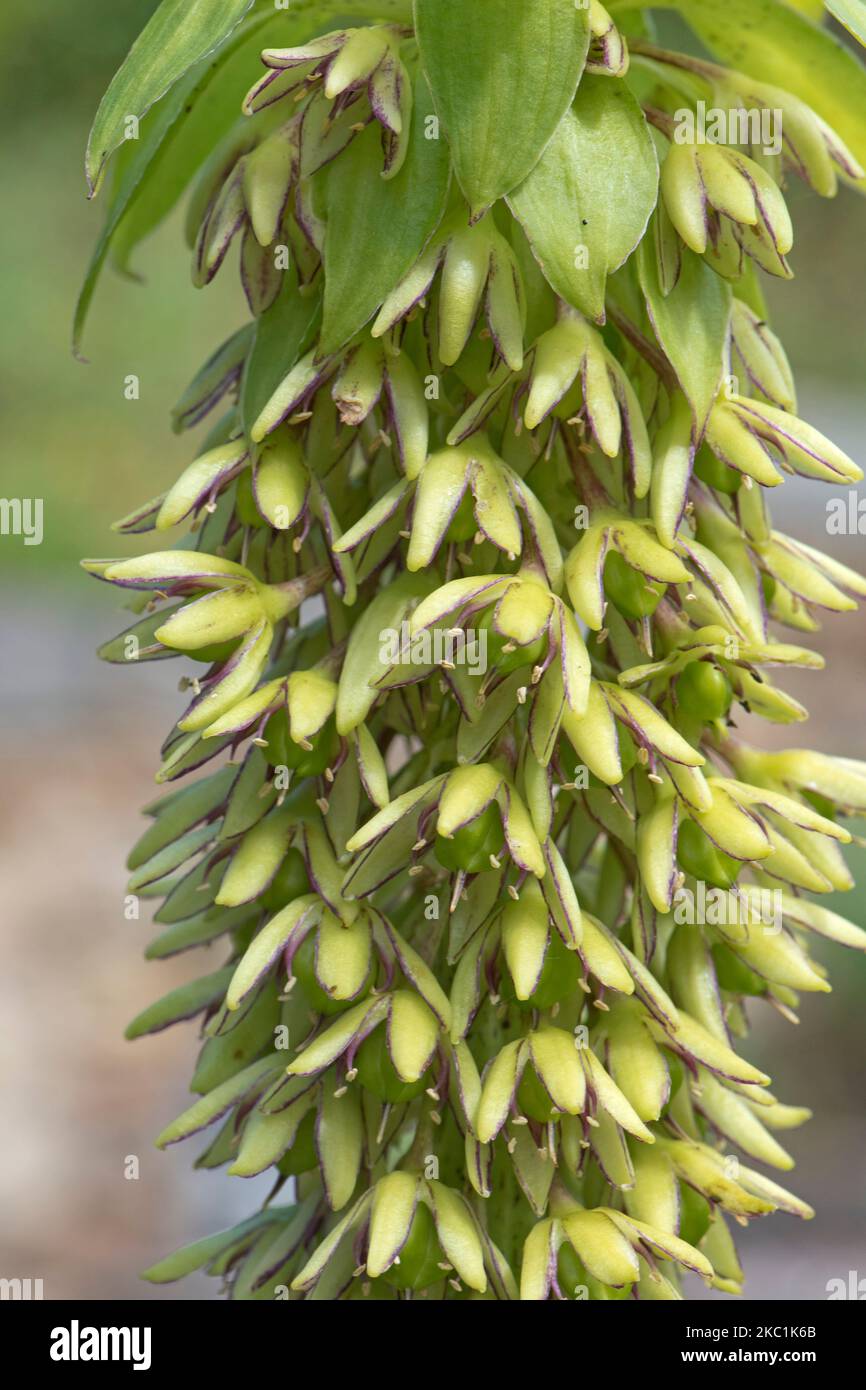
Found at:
[71, 436]
[79, 742]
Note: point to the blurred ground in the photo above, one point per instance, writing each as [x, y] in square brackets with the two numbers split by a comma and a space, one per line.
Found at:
[78, 742]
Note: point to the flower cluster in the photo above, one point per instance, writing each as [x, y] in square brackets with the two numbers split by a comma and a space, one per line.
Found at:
[497, 308]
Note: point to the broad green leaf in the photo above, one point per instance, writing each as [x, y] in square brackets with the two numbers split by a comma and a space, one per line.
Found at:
[771, 42]
[586, 204]
[178, 134]
[177, 36]
[691, 323]
[503, 73]
[377, 228]
[283, 334]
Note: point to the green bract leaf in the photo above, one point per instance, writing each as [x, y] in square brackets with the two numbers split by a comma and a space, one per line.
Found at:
[502, 74]
[282, 336]
[586, 204]
[691, 323]
[178, 35]
[365, 663]
[205, 118]
[377, 228]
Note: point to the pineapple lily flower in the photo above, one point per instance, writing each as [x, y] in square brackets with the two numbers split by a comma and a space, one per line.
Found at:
[338, 70]
[810, 148]
[573, 371]
[718, 197]
[480, 575]
[477, 266]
